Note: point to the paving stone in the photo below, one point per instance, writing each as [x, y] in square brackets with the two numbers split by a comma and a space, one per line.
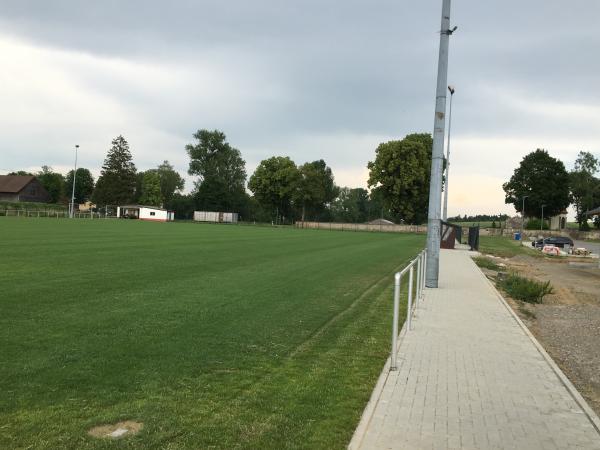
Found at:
[470, 377]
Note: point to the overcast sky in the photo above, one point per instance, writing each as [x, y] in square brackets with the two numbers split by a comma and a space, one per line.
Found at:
[307, 79]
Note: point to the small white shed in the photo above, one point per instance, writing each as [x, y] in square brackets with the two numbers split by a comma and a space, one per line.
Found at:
[142, 212]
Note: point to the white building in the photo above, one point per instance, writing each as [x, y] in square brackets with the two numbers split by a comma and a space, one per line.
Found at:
[559, 222]
[142, 212]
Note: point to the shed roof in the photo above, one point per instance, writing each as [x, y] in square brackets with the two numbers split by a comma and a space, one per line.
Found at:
[593, 212]
[14, 183]
[143, 206]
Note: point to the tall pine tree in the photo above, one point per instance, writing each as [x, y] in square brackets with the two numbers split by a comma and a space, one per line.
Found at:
[116, 184]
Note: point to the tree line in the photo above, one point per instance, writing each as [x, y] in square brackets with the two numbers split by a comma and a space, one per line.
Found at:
[279, 191]
[282, 191]
[479, 218]
[542, 182]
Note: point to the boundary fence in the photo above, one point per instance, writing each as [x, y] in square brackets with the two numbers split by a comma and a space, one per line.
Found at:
[507, 232]
[393, 228]
[415, 286]
[50, 214]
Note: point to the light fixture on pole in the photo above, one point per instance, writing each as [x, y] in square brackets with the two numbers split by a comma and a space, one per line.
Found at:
[72, 208]
[437, 154]
[445, 214]
[542, 221]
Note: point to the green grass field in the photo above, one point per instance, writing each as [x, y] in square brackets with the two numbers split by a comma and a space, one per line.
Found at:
[211, 336]
[505, 247]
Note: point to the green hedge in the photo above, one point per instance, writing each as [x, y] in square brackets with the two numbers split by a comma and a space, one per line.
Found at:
[32, 206]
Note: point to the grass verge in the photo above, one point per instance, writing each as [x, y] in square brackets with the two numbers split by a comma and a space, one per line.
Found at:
[504, 247]
[488, 263]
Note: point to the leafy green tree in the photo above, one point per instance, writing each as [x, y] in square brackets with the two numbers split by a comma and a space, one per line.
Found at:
[170, 181]
[585, 187]
[544, 180]
[53, 182]
[274, 184]
[401, 173]
[139, 184]
[151, 194]
[221, 172]
[117, 181]
[183, 205]
[84, 185]
[21, 173]
[316, 187]
[351, 205]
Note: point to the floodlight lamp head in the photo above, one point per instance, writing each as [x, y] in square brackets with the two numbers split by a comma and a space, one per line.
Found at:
[451, 89]
[76, 145]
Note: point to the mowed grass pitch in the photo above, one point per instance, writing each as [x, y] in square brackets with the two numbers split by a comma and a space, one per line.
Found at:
[211, 336]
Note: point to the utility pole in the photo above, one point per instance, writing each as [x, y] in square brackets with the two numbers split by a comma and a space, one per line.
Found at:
[72, 210]
[542, 221]
[445, 214]
[437, 155]
[523, 216]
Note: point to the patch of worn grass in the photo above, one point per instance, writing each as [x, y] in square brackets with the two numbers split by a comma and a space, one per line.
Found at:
[212, 336]
[487, 263]
[524, 289]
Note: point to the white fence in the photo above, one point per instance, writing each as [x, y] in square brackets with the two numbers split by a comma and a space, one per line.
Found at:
[50, 214]
[414, 287]
[217, 217]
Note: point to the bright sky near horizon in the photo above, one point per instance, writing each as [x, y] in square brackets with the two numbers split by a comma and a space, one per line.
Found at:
[311, 79]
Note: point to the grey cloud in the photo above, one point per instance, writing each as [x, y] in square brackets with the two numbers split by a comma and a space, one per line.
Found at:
[291, 73]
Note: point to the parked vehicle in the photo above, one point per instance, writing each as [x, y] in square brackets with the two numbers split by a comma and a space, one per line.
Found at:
[557, 241]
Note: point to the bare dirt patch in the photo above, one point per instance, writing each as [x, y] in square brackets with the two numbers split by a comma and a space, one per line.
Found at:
[116, 430]
[567, 324]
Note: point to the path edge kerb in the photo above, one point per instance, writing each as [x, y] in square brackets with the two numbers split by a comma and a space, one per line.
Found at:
[367, 415]
[587, 410]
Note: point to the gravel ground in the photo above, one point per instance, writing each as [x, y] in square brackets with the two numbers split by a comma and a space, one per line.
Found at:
[571, 335]
[567, 324]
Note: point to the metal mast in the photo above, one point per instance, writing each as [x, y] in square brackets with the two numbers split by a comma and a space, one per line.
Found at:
[445, 211]
[437, 156]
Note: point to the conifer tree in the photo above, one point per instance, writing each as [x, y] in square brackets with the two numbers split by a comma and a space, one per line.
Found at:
[116, 184]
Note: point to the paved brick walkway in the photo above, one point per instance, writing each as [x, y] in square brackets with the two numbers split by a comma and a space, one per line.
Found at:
[471, 377]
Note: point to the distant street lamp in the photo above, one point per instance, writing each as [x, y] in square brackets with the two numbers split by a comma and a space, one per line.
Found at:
[72, 209]
[542, 221]
[445, 215]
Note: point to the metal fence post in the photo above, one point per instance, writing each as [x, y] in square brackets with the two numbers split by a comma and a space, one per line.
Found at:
[424, 269]
[397, 280]
[410, 294]
[419, 258]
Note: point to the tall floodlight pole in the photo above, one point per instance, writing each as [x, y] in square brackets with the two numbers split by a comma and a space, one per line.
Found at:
[72, 209]
[437, 154]
[445, 214]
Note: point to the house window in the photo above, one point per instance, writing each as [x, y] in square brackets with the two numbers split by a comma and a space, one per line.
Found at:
[152, 213]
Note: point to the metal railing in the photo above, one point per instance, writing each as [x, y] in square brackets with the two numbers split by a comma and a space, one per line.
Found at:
[420, 263]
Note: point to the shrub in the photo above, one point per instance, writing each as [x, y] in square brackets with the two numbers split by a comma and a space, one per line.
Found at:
[534, 224]
[521, 288]
[487, 263]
